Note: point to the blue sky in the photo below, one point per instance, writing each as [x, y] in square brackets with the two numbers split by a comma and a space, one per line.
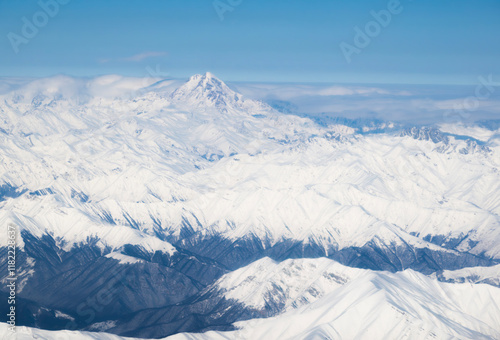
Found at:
[426, 42]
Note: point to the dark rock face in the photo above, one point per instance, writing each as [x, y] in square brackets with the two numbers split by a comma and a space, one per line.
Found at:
[9, 191]
[236, 254]
[210, 310]
[199, 314]
[33, 314]
[163, 294]
[207, 310]
[399, 258]
[436, 136]
[90, 287]
[494, 281]
[425, 133]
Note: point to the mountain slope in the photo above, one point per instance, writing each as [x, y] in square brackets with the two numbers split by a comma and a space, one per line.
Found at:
[373, 305]
[262, 289]
[489, 275]
[204, 92]
[266, 288]
[405, 305]
[182, 187]
[163, 166]
[276, 287]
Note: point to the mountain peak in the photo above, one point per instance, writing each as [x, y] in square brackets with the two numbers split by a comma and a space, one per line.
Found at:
[207, 90]
[203, 78]
[209, 75]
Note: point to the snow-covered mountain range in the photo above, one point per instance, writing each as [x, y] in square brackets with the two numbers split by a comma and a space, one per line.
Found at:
[357, 304]
[181, 193]
[378, 305]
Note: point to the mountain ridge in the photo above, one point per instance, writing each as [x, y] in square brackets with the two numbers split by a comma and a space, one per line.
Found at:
[200, 182]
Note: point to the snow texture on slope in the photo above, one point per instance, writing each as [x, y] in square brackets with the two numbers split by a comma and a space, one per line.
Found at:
[381, 305]
[86, 159]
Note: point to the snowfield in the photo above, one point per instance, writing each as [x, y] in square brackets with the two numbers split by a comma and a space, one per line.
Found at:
[375, 305]
[87, 165]
[335, 229]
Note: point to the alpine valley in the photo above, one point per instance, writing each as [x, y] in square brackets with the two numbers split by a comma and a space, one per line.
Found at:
[191, 211]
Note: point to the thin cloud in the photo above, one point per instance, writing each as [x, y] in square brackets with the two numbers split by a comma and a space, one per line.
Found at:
[145, 55]
[348, 91]
[135, 58]
[409, 104]
[293, 91]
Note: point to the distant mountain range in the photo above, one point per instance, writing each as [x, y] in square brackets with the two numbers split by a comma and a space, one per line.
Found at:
[160, 211]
